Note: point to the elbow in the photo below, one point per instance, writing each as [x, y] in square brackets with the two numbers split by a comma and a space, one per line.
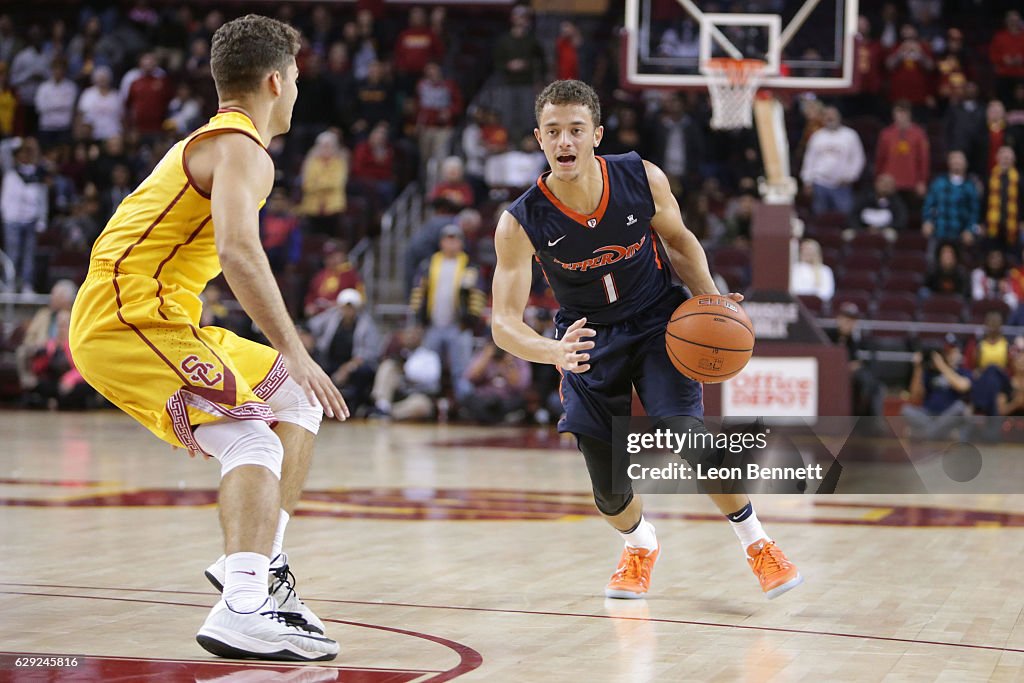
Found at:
[501, 332]
[232, 257]
[227, 256]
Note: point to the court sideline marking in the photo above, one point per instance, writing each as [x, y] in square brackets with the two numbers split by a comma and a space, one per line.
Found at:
[494, 610]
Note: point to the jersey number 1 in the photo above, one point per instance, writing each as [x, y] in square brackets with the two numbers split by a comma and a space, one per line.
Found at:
[611, 292]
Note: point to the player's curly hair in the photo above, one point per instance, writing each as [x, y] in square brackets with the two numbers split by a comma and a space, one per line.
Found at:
[570, 92]
[245, 50]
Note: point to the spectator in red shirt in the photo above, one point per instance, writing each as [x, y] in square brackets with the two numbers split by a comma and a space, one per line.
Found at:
[336, 275]
[452, 193]
[1006, 53]
[148, 98]
[438, 103]
[868, 53]
[903, 153]
[493, 132]
[910, 66]
[415, 47]
[567, 55]
[373, 165]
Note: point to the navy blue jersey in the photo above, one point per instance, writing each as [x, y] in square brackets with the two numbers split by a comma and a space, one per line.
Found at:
[604, 266]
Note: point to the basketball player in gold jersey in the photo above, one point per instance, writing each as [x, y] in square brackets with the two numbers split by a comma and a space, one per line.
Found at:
[136, 338]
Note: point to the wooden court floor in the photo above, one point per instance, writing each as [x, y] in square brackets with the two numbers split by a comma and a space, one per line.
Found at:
[438, 553]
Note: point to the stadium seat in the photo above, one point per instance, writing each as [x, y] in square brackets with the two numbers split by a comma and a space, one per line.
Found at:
[914, 262]
[858, 279]
[864, 259]
[906, 281]
[869, 240]
[829, 237]
[911, 240]
[979, 309]
[891, 316]
[896, 302]
[836, 220]
[860, 297]
[944, 303]
[813, 304]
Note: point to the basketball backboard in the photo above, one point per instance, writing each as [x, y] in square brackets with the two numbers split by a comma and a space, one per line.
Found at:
[807, 44]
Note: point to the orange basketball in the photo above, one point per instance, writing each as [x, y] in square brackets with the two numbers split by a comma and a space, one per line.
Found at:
[709, 338]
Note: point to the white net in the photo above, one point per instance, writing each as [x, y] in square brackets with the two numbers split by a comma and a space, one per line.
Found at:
[732, 84]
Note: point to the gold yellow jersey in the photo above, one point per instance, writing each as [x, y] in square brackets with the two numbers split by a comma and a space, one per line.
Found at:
[163, 229]
[135, 334]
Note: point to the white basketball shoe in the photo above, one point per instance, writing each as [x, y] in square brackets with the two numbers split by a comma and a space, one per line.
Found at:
[264, 634]
[282, 588]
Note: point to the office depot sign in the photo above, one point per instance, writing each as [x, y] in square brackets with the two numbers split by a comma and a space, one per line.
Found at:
[773, 387]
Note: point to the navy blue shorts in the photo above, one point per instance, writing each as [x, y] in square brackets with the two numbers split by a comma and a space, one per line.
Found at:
[626, 355]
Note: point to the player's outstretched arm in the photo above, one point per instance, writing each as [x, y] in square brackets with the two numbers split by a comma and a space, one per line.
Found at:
[513, 276]
[684, 249]
[242, 175]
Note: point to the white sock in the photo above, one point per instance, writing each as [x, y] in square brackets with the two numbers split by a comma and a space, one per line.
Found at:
[749, 530]
[642, 536]
[245, 581]
[282, 524]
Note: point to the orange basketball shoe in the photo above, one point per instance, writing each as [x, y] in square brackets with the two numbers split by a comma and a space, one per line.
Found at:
[776, 573]
[632, 578]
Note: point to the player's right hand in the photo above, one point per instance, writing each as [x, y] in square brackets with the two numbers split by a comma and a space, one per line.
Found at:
[572, 349]
[318, 386]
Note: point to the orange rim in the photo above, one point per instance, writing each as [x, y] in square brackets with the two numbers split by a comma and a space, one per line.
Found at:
[736, 70]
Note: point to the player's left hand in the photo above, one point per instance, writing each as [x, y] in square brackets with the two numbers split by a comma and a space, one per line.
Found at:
[571, 354]
[735, 296]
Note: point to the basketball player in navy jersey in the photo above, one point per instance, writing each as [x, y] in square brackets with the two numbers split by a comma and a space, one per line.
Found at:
[593, 223]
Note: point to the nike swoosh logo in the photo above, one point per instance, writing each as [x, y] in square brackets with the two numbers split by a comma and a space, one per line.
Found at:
[553, 243]
[241, 572]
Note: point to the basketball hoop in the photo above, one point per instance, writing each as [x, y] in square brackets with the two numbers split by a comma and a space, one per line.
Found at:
[732, 84]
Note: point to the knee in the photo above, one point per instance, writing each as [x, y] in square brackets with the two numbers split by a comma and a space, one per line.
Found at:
[612, 490]
[703, 449]
[241, 442]
[611, 504]
[290, 404]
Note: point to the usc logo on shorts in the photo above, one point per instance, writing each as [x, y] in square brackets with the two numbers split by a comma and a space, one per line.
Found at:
[198, 371]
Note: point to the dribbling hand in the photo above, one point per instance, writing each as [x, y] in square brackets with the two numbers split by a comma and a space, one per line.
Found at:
[735, 296]
[317, 385]
[572, 349]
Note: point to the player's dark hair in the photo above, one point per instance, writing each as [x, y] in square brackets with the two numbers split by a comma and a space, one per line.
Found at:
[570, 92]
[245, 50]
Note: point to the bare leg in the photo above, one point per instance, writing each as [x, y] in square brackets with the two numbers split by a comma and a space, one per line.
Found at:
[729, 503]
[250, 498]
[298, 456]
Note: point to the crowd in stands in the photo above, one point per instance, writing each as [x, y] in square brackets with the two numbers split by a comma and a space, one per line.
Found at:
[911, 185]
